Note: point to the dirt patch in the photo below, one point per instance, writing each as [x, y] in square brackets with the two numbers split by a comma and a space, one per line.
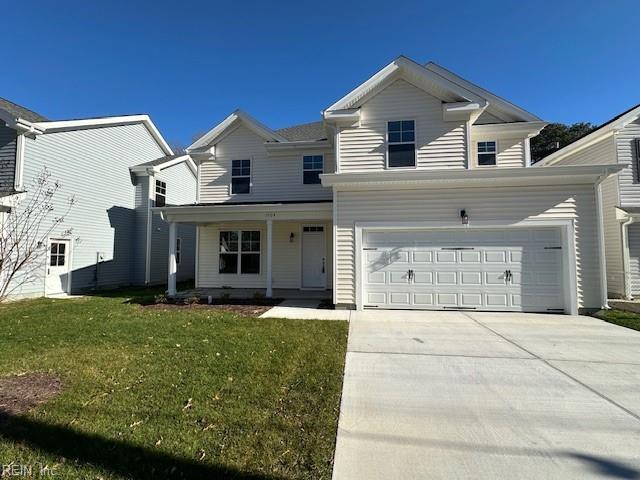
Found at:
[21, 393]
[247, 310]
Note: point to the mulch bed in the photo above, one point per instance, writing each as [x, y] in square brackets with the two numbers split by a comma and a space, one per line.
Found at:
[241, 309]
[21, 393]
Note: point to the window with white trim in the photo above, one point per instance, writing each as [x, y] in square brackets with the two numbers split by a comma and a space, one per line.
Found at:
[401, 144]
[161, 193]
[312, 167]
[240, 177]
[487, 153]
[178, 250]
[637, 145]
[239, 252]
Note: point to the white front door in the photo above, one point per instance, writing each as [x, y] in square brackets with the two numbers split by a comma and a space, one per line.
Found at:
[314, 260]
[516, 269]
[58, 267]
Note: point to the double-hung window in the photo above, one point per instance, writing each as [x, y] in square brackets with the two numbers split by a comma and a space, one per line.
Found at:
[487, 153]
[161, 193]
[312, 167]
[240, 176]
[239, 252]
[401, 144]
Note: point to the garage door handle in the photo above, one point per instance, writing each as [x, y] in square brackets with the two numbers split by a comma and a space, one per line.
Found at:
[507, 275]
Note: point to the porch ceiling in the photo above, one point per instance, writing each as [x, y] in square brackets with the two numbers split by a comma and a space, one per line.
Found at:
[203, 214]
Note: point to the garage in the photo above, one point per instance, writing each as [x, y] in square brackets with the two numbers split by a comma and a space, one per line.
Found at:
[507, 269]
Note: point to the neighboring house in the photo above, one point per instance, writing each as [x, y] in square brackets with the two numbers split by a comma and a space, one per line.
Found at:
[615, 142]
[117, 169]
[414, 191]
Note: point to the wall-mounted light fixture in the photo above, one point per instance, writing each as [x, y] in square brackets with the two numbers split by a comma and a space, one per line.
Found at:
[292, 236]
[464, 217]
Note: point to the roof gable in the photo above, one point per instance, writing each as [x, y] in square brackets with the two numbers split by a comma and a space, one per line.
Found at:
[415, 74]
[18, 111]
[231, 122]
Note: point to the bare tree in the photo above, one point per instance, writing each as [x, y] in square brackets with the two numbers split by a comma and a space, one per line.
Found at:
[25, 231]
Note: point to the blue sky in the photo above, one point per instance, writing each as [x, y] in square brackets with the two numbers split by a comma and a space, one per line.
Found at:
[190, 63]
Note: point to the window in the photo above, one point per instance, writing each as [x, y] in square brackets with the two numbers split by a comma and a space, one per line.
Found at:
[178, 250]
[637, 145]
[313, 166]
[313, 228]
[239, 252]
[486, 154]
[161, 193]
[57, 254]
[240, 176]
[401, 144]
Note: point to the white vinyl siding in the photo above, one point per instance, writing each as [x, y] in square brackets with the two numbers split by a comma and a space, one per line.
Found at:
[504, 204]
[439, 144]
[486, 117]
[629, 177]
[510, 151]
[600, 153]
[612, 237]
[286, 256]
[634, 258]
[274, 177]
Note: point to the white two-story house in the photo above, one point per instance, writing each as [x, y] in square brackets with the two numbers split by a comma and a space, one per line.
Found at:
[414, 191]
[616, 142]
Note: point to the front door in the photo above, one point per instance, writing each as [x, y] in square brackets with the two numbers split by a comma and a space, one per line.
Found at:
[58, 267]
[314, 260]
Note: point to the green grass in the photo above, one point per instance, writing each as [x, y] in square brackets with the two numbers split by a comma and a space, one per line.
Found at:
[620, 317]
[264, 393]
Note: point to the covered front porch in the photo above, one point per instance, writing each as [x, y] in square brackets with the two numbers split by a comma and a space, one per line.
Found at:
[269, 248]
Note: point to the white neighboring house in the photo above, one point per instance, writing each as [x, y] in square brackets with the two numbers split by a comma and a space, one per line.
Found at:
[616, 142]
[414, 191]
[117, 168]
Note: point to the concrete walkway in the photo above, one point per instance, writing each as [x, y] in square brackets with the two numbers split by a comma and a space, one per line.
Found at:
[305, 309]
[452, 395]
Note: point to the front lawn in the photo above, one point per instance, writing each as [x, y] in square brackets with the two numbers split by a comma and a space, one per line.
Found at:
[182, 393]
[620, 317]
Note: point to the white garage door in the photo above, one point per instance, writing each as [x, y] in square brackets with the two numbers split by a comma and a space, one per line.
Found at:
[514, 269]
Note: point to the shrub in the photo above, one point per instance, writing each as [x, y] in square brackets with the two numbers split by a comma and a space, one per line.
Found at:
[194, 300]
[161, 298]
[225, 297]
[259, 297]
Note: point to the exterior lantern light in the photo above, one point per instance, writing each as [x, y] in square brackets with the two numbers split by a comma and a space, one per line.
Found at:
[291, 237]
[464, 217]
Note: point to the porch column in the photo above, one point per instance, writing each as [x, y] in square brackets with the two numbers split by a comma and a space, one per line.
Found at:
[269, 250]
[171, 280]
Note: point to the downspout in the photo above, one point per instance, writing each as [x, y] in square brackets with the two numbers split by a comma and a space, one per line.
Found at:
[626, 263]
[604, 305]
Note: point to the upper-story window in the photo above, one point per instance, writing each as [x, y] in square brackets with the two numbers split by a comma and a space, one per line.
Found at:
[312, 167]
[401, 144]
[487, 154]
[240, 176]
[161, 193]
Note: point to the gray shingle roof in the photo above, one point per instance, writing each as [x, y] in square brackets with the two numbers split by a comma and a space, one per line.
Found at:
[159, 161]
[21, 112]
[305, 131]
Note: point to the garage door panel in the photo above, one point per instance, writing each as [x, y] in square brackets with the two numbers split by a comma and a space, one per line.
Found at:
[446, 256]
[465, 269]
[470, 278]
[422, 257]
[446, 278]
[423, 278]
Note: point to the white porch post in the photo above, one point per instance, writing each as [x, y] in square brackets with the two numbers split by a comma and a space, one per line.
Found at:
[172, 259]
[269, 250]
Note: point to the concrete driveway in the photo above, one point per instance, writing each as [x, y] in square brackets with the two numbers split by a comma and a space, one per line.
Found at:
[453, 395]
